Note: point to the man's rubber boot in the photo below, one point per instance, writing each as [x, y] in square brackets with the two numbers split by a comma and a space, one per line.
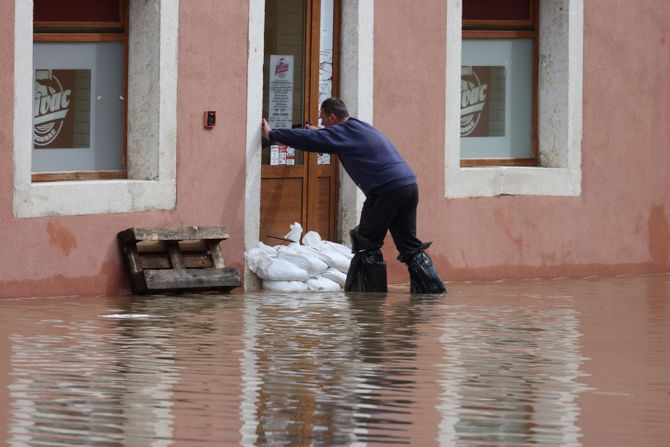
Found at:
[423, 275]
[367, 271]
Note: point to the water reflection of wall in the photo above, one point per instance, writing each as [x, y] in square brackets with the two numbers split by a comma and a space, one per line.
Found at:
[510, 376]
[92, 382]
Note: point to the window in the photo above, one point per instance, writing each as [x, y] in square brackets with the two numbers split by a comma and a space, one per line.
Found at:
[499, 83]
[543, 158]
[80, 78]
[146, 46]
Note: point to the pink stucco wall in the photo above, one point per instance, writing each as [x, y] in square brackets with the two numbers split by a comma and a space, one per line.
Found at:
[620, 224]
[78, 255]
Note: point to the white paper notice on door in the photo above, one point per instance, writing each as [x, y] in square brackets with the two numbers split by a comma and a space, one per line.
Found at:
[281, 154]
[322, 159]
[280, 113]
[274, 154]
[290, 155]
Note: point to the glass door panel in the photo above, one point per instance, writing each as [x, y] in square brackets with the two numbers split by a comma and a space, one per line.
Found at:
[284, 77]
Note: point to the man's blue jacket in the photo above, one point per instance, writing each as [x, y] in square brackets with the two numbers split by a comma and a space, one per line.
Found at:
[370, 159]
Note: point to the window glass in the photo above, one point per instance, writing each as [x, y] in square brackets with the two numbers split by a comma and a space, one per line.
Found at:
[284, 76]
[78, 106]
[496, 98]
[508, 10]
[77, 11]
[326, 63]
[79, 81]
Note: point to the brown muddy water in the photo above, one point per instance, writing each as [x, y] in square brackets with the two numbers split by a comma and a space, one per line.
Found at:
[539, 362]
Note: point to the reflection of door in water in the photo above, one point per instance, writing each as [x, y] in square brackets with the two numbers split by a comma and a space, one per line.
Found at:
[300, 70]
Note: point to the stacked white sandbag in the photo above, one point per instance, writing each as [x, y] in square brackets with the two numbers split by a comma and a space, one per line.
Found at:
[265, 263]
[303, 257]
[315, 266]
[294, 233]
[323, 284]
[285, 286]
[335, 275]
[335, 255]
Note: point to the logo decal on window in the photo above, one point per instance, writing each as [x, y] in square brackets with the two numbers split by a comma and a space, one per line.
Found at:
[56, 122]
[282, 68]
[482, 101]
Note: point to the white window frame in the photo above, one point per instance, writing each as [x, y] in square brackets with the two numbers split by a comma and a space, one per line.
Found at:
[152, 122]
[559, 119]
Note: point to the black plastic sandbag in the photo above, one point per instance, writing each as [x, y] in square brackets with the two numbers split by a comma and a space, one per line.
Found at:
[423, 275]
[367, 273]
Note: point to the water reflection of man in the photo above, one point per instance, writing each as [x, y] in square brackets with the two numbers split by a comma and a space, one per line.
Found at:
[392, 363]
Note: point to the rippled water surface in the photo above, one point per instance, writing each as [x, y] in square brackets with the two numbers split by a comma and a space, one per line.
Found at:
[544, 362]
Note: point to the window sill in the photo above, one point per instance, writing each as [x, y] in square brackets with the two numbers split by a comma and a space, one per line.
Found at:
[512, 180]
[94, 197]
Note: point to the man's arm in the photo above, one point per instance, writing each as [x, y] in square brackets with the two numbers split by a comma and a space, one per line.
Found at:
[311, 139]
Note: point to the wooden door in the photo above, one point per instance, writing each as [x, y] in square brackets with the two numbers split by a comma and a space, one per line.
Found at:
[300, 70]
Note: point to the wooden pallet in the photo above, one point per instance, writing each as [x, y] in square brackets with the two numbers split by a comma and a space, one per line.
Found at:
[163, 259]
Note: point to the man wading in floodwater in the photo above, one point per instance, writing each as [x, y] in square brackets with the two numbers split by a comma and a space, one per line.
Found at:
[391, 192]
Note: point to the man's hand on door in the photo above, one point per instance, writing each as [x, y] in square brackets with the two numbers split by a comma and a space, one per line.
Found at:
[265, 128]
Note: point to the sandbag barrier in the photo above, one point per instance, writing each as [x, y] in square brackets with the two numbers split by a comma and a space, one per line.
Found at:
[314, 265]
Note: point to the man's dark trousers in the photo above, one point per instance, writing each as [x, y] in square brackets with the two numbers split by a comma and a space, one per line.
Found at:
[393, 211]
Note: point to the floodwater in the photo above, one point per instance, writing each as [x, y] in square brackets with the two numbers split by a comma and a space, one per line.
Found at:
[539, 362]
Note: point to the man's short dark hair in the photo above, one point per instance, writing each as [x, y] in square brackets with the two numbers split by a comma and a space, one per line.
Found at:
[335, 106]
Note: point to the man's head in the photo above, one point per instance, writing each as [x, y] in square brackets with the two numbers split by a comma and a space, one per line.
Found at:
[333, 111]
